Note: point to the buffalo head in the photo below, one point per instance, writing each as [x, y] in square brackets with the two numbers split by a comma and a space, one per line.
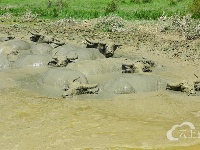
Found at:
[107, 49]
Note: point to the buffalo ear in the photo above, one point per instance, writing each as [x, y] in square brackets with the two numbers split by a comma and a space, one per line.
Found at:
[102, 44]
[35, 37]
[102, 47]
[94, 45]
[90, 44]
[11, 37]
[115, 46]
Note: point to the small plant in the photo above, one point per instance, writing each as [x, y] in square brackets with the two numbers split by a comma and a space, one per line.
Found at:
[61, 4]
[111, 7]
[6, 16]
[29, 16]
[49, 3]
[57, 8]
[140, 1]
[135, 1]
[55, 12]
[122, 1]
[65, 22]
[146, 1]
[173, 2]
[57, 3]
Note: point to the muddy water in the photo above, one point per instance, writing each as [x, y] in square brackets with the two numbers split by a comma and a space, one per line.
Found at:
[124, 122]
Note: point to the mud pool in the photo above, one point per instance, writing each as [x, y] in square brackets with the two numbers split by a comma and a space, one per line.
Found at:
[35, 116]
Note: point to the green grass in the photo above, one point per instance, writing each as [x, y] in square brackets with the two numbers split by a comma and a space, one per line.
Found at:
[88, 9]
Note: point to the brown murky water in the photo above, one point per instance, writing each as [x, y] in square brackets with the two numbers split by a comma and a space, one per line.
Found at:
[138, 121]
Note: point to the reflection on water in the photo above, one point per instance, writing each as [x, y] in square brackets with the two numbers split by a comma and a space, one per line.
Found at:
[29, 121]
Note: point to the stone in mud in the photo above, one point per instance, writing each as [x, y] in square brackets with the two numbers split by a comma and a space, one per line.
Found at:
[4, 63]
[32, 61]
[134, 83]
[41, 48]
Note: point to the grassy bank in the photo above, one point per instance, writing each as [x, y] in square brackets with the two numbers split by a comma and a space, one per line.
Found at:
[88, 9]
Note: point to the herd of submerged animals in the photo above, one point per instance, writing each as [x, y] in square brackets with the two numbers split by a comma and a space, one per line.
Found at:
[71, 66]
